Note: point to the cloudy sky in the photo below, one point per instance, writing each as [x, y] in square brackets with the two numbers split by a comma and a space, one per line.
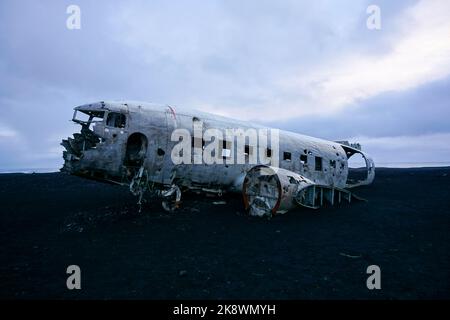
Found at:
[308, 66]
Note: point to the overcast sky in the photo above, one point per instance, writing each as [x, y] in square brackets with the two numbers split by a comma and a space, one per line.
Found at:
[312, 67]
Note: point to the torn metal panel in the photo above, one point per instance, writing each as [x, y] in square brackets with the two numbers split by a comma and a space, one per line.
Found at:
[268, 191]
[369, 169]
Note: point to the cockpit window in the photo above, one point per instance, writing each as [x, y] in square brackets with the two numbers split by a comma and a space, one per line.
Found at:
[87, 117]
[116, 120]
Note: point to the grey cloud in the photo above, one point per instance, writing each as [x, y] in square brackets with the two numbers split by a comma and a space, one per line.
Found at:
[424, 110]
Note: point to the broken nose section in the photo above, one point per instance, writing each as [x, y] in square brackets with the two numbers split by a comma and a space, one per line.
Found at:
[75, 148]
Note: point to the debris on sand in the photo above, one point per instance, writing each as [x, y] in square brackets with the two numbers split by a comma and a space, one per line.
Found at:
[349, 255]
[182, 273]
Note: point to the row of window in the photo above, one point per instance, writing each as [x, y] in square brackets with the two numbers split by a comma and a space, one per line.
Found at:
[225, 147]
[304, 160]
[287, 156]
[318, 161]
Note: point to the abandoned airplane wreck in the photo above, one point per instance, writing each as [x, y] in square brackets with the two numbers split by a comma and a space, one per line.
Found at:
[160, 152]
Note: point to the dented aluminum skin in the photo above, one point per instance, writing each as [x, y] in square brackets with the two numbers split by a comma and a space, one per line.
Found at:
[123, 142]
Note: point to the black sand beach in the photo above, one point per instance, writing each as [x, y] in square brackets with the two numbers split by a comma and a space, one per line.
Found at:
[214, 251]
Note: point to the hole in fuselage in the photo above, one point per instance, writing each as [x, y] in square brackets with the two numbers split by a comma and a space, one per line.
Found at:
[357, 169]
[160, 152]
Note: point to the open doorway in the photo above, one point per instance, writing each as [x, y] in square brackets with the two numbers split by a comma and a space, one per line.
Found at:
[136, 150]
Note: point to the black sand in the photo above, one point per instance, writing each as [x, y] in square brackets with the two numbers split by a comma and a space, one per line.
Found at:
[50, 221]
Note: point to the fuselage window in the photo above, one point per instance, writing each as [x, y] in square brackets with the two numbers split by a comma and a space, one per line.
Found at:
[318, 164]
[116, 120]
[226, 149]
[303, 159]
[287, 156]
[268, 153]
[333, 163]
[248, 150]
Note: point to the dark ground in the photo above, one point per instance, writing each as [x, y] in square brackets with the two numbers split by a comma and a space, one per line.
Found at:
[50, 221]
